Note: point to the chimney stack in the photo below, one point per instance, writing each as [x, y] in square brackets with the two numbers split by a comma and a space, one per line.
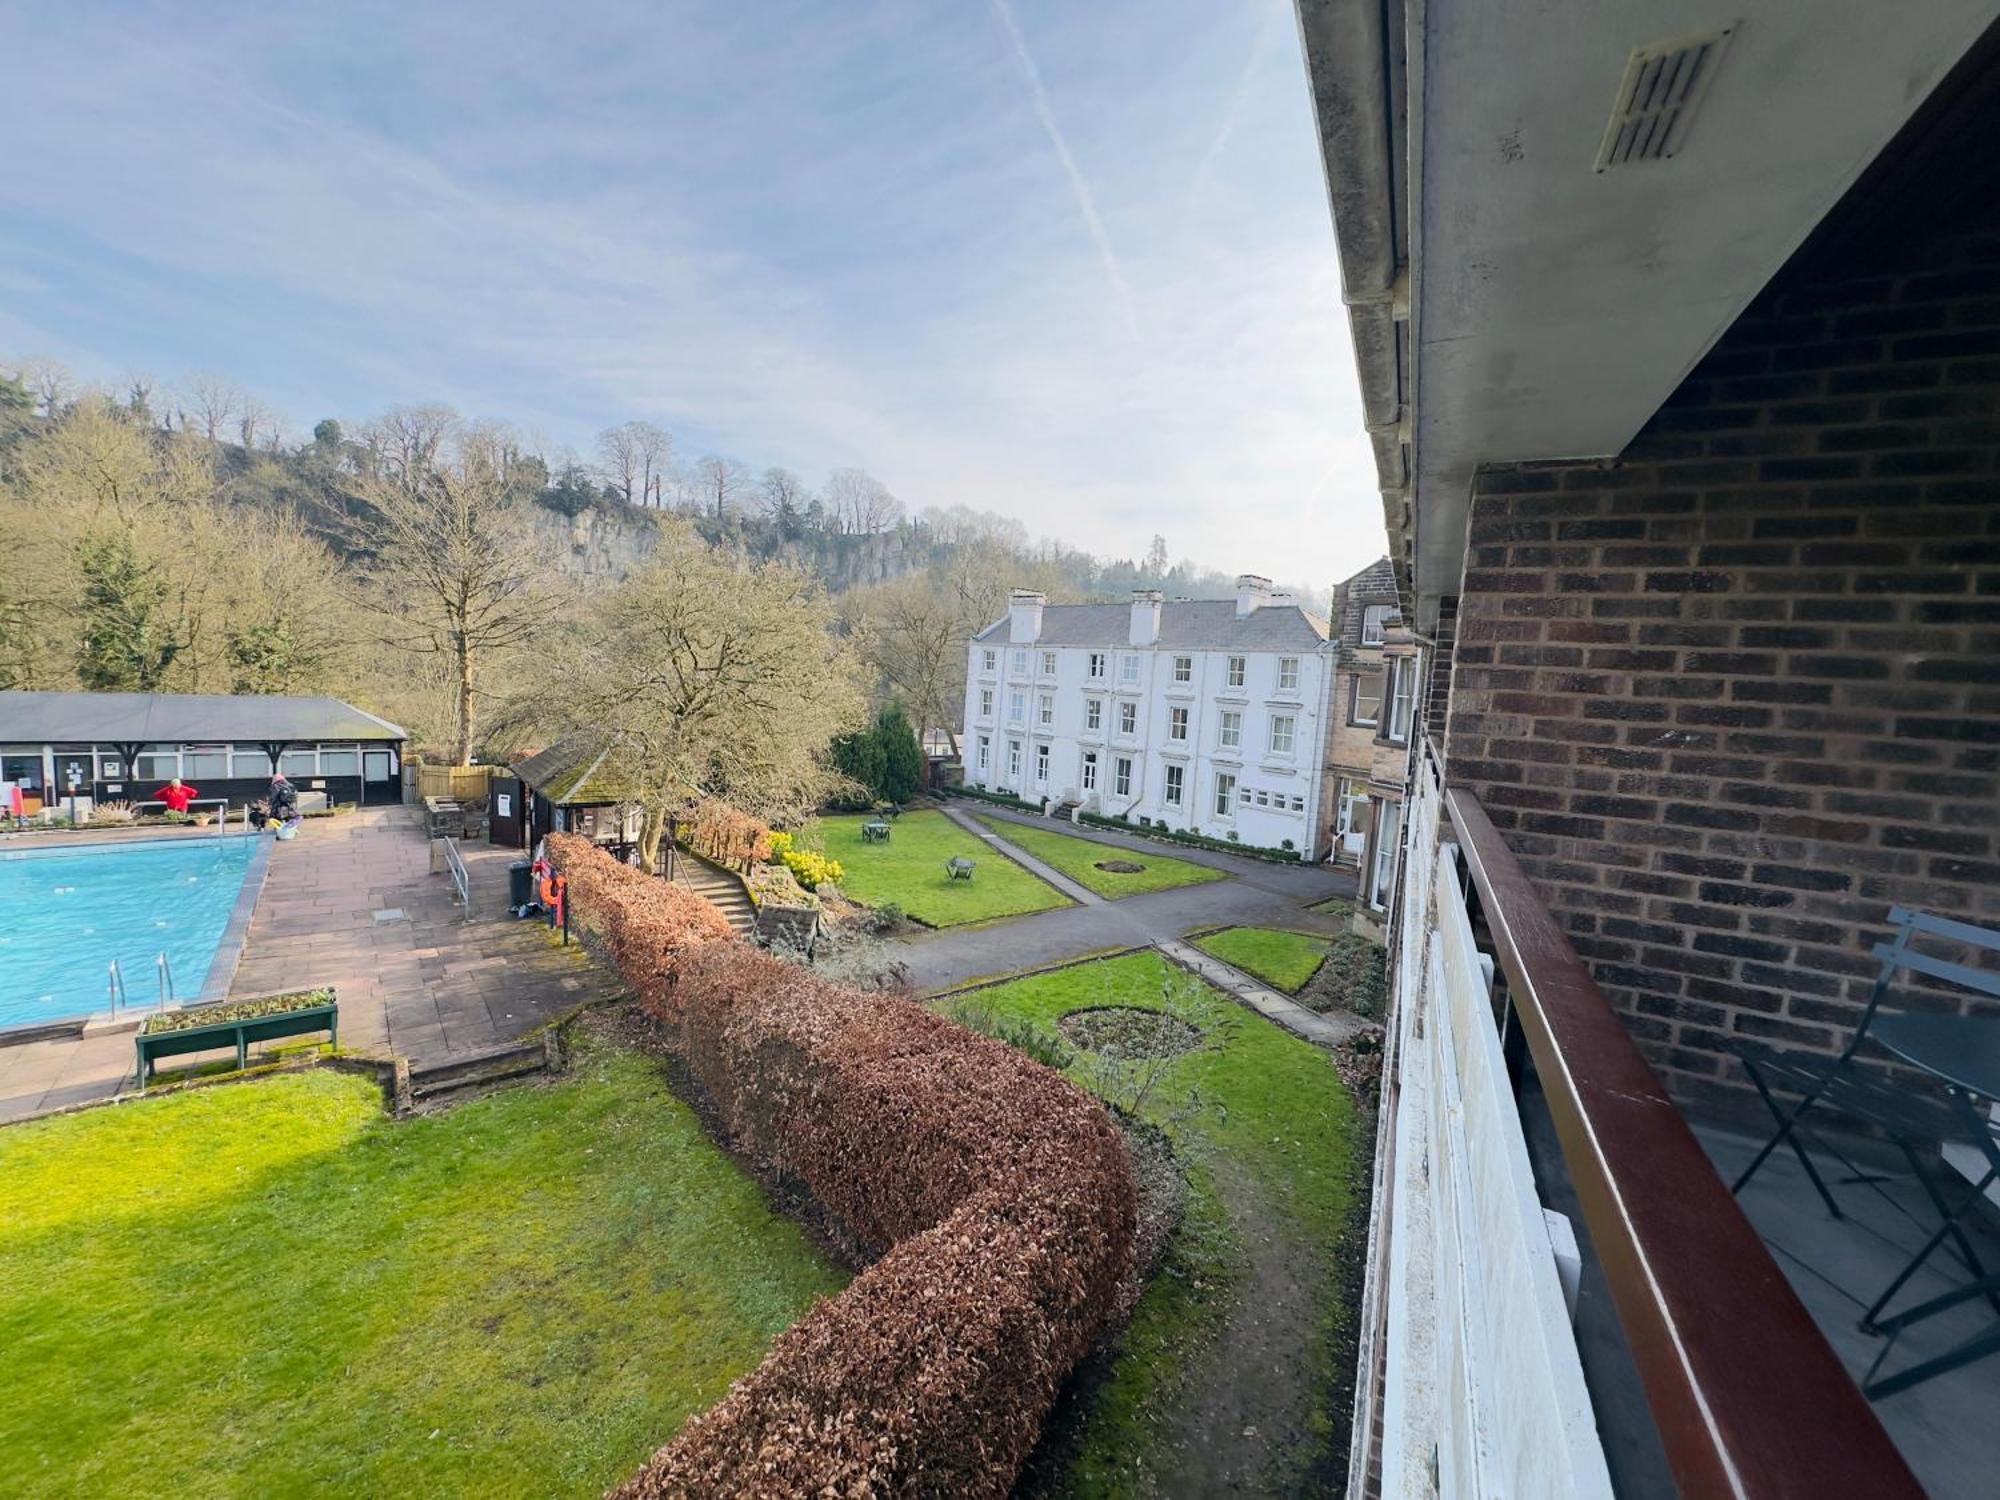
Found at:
[1145, 616]
[1024, 615]
[1252, 594]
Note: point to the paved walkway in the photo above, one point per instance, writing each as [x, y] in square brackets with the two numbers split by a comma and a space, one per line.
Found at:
[1258, 893]
[352, 903]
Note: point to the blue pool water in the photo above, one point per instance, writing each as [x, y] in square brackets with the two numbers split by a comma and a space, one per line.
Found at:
[66, 913]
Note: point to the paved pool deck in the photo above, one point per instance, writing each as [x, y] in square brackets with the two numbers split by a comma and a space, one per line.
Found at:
[352, 903]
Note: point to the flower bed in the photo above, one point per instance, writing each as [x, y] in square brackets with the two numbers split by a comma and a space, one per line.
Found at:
[998, 1198]
[242, 1010]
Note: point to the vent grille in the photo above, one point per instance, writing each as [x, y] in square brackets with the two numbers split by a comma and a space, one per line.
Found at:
[1663, 86]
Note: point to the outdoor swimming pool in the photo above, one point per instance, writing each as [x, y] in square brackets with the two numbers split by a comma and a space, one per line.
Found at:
[66, 913]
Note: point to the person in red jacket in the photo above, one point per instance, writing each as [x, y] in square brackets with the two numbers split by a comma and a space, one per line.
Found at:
[177, 795]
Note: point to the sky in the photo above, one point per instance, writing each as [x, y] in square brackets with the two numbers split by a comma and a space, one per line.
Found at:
[1071, 263]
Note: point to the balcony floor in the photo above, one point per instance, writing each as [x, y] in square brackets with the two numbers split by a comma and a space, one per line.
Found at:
[1945, 1427]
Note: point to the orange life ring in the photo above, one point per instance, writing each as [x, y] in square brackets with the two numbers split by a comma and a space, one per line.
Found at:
[548, 890]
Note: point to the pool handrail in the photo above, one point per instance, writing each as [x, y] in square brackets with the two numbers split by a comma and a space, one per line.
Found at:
[164, 968]
[115, 983]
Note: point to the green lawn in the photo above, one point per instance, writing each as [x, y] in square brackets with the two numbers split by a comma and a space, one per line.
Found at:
[1079, 858]
[270, 1288]
[1266, 1134]
[1285, 960]
[909, 871]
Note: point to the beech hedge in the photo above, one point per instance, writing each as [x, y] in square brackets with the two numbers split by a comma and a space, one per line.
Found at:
[993, 1201]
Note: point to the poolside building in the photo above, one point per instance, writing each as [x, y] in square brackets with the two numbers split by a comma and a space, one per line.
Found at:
[69, 751]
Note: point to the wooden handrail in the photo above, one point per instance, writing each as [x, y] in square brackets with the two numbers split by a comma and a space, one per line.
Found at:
[1748, 1398]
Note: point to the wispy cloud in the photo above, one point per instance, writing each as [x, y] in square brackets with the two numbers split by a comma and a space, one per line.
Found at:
[854, 262]
[1086, 204]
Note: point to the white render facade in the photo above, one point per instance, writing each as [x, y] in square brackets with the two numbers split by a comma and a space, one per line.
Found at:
[1205, 716]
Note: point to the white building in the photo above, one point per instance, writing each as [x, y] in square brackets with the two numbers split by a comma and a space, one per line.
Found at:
[1203, 716]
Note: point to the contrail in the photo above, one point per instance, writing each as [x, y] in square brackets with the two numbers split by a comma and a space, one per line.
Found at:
[1086, 204]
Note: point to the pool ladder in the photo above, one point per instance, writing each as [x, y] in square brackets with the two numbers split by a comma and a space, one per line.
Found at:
[115, 984]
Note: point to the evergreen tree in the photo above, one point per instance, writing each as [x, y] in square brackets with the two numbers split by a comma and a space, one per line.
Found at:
[902, 756]
[128, 638]
[858, 756]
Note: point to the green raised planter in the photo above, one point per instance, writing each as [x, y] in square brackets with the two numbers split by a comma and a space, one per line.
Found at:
[206, 1027]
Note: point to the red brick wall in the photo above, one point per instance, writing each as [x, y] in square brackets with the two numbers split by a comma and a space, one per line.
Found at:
[1733, 696]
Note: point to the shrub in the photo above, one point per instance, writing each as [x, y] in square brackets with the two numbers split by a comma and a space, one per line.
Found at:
[645, 923]
[111, 812]
[994, 1200]
[726, 835]
[775, 885]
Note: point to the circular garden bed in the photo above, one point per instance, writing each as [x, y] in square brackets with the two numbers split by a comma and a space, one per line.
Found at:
[1129, 1032]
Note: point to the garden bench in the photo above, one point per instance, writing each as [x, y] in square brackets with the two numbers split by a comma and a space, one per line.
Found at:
[239, 1028]
[875, 833]
[958, 867]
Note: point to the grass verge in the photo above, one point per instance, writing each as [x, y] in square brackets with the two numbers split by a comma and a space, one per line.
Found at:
[1079, 858]
[272, 1289]
[1282, 959]
[909, 871]
[1229, 1373]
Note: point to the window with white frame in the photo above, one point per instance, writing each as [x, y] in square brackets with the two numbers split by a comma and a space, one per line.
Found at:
[1229, 733]
[1288, 674]
[155, 762]
[1374, 620]
[1402, 693]
[1090, 771]
[1097, 664]
[1093, 714]
[1298, 802]
[988, 660]
[1045, 708]
[986, 703]
[1177, 723]
[1041, 765]
[1014, 701]
[339, 760]
[1383, 872]
[1183, 669]
[1121, 776]
[1128, 669]
[1225, 794]
[1282, 728]
[1020, 659]
[1048, 664]
[985, 751]
[1128, 718]
[1235, 675]
[1176, 784]
[1364, 700]
[1013, 757]
[1262, 797]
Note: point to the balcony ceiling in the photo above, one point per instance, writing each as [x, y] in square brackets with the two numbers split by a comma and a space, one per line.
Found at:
[1555, 307]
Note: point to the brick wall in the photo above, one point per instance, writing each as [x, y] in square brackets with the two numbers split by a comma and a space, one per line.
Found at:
[1733, 696]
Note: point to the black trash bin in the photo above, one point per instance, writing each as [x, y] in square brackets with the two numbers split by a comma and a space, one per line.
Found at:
[520, 884]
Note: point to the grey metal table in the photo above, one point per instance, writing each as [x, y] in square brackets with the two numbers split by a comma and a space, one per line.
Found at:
[1962, 1053]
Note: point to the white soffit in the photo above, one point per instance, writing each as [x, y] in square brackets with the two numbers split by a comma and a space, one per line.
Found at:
[1558, 305]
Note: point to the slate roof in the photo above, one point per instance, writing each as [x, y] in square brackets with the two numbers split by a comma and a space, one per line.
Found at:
[182, 718]
[1192, 624]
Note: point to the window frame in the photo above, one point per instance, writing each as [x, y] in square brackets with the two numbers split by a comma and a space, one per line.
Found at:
[1225, 794]
[1376, 615]
[1041, 765]
[1095, 667]
[1402, 696]
[1354, 699]
[985, 751]
[1020, 661]
[1237, 672]
[1048, 664]
[1128, 717]
[1128, 667]
[1229, 730]
[1183, 670]
[1288, 674]
[986, 703]
[1176, 786]
[1121, 776]
[1013, 758]
[1291, 723]
[1178, 721]
[1090, 771]
[989, 660]
[1093, 716]
[1045, 708]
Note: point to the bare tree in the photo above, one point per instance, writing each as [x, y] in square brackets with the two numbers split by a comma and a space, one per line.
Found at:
[211, 401]
[860, 503]
[257, 422]
[723, 483]
[407, 440]
[460, 579]
[780, 493]
[53, 385]
[634, 459]
[701, 674]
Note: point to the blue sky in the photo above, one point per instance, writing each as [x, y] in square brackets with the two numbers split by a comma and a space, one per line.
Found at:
[1067, 262]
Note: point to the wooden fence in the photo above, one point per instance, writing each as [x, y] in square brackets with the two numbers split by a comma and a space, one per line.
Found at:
[462, 782]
